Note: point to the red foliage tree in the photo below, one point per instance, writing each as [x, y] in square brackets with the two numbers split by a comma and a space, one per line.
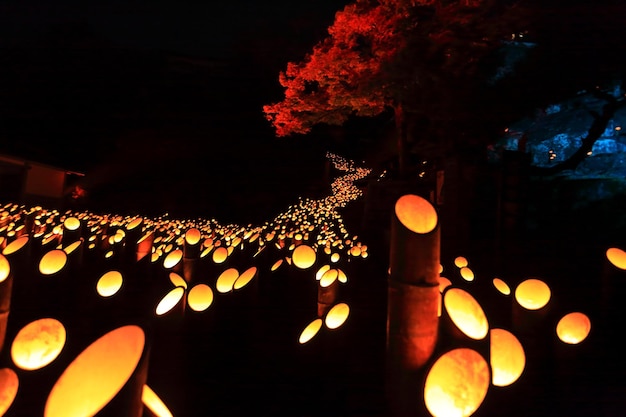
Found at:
[405, 56]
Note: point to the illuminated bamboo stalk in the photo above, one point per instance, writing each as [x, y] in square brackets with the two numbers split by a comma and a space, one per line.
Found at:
[413, 299]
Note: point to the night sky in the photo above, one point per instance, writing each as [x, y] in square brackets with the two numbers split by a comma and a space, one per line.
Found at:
[161, 95]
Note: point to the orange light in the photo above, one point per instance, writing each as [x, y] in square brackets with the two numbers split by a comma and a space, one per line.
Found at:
[337, 315]
[245, 277]
[457, 384]
[109, 283]
[532, 294]
[192, 236]
[328, 278]
[5, 268]
[200, 297]
[38, 343]
[154, 403]
[303, 256]
[507, 357]
[170, 300]
[226, 280]
[617, 257]
[177, 280]
[71, 223]
[9, 384]
[172, 259]
[416, 213]
[52, 262]
[466, 313]
[573, 328]
[460, 261]
[501, 286]
[310, 331]
[444, 283]
[15, 245]
[467, 274]
[220, 255]
[97, 374]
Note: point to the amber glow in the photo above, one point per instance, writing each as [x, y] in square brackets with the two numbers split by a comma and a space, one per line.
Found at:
[532, 294]
[245, 277]
[38, 343]
[507, 357]
[276, 265]
[416, 213]
[466, 313]
[573, 328]
[200, 297]
[5, 268]
[73, 246]
[15, 245]
[177, 280]
[169, 301]
[337, 315]
[320, 272]
[501, 286]
[444, 283]
[97, 374]
[467, 274]
[192, 236]
[617, 257]
[172, 259]
[109, 283]
[220, 255]
[52, 262]
[154, 403]
[457, 384]
[303, 256]
[460, 261]
[9, 384]
[71, 223]
[329, 277]
[226, 280]
[310, 331]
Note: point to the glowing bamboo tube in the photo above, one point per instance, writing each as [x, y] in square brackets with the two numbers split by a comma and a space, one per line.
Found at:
[413, 298]
[9, 383]
[507, 357]
[38, 343]
[6, 286]
[109, 374]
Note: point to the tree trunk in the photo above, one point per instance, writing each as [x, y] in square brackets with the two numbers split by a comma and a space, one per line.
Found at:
[401, 139]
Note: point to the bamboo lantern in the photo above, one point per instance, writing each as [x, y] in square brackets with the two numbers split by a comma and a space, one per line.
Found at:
[109, 284]
[191, 253]
[465, 313]
[167, 304]
[617, 257]
[573, 328]
[38, 343]
[200, 297]
[507, 357]
[72, 230]
[310, 331]
[173, 262]
[337, 316]
[105, 379]
[6, 286]
[456, 384]
[532, 294]
[9, 384]
[303, 256]
[155, 407]
[245, 278]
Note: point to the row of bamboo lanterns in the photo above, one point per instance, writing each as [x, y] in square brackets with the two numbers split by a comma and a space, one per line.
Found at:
[105, 258]
[441, 339]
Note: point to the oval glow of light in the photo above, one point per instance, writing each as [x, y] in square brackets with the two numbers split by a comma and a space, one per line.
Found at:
[341, 276]
[192, 236]
[5, 268]
[310, 331]
[109, 283]
[154, 403]
[337, 315]
[507, 357]
[328, 278]
[276, 265]
[444, 283]
[38, 343]
[9, 383]
[501, 286]
[460, 261]
[617, 257]
[97, 374]
[134, 223]
[457, 384]
[303, 256]
[177, 280]
[220, 255]
[169, 301]
[245, 277]
[532, 294]
[466, 313]
[226, 280]
[71, 223]
[200, 297]
[73, 246]
[573, 328]
[52, 262]
[416, 213]
[15, 245]
[320, 272]
[467, 274]
[172, 259]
